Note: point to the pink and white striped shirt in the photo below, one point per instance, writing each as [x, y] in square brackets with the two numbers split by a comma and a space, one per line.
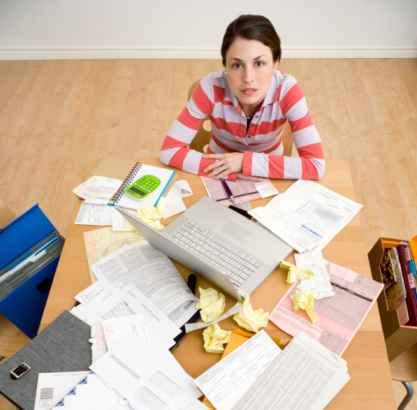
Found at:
[261, 143]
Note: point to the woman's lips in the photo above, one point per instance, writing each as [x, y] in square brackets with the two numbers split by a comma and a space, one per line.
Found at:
[249, 91]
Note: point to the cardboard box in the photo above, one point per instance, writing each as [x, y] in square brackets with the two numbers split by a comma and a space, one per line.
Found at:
[398, 338]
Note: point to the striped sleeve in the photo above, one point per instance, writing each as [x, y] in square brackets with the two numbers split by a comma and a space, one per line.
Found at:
[174, 151]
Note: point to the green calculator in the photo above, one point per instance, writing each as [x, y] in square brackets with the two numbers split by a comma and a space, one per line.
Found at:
[143, 187]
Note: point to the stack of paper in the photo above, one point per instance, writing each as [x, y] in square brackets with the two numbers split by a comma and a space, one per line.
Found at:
[305, 375]
[258, 375]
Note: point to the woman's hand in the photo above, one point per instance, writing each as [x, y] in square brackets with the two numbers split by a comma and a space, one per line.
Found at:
[252, 178]
[224, 165]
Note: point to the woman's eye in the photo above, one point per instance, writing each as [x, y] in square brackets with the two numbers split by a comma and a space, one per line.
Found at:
[259, 63]
[236, 65]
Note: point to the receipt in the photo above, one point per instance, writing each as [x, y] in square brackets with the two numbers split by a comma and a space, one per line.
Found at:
[249, 319]
[320, 283]
[303, 300]
[189, 327]
[173, 202]
[295, 272]
[214, 338]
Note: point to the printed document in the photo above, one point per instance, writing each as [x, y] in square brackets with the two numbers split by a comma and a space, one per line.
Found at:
[226, 382]
[111, 302]
[305, 376]
[95, 214]
[307, 215]
[149, 378]
[154, 274]
[319, 284]
[339, 316]
[102, 242]
[99, 190]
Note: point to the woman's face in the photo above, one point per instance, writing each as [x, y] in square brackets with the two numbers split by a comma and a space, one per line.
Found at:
[249, 67]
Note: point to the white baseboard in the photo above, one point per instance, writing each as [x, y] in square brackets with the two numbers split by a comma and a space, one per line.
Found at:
[80, 53]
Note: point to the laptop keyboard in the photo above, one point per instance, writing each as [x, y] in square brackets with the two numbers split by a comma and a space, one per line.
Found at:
[230, 260]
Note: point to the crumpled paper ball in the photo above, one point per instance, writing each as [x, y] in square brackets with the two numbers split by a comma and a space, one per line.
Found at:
[211, 303]
[303, 300]
[214, 338]
[296, 273]
[249, 319]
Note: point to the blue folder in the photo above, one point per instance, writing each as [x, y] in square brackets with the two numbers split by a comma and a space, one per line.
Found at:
[30, 250]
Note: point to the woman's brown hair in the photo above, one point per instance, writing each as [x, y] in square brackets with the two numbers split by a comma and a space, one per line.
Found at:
[252, 27]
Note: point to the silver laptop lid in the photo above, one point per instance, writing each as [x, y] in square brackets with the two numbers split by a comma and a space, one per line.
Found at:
[229, 227]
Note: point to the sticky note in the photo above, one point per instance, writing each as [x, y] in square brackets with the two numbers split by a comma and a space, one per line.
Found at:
[214, 338]
[303, 300]
[211, 303]
[249, 319]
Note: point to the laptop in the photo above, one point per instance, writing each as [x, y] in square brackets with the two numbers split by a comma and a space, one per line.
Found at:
[227, 249]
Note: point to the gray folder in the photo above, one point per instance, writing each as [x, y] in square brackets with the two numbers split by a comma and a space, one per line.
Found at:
[62, 347]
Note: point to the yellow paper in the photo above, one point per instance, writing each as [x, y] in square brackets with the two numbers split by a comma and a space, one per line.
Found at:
[303, 300]
[151, 215]
[249, 319]
[296, 273]
[211, 303]
[214, 338]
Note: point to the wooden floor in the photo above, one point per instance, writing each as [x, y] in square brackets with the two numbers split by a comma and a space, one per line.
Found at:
[55, 116]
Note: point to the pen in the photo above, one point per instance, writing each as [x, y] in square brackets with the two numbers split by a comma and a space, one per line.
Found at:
[228, 191]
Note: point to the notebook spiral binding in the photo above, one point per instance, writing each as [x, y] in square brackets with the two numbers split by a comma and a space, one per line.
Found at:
[128, 180]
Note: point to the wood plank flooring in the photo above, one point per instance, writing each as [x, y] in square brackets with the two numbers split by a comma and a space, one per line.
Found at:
[55, 116]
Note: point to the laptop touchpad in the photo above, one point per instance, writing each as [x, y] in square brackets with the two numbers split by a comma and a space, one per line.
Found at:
[235, 231]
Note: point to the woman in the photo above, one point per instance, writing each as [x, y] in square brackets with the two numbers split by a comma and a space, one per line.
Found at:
[248, 104]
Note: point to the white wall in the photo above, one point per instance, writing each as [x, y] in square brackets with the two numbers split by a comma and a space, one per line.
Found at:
[54, 29]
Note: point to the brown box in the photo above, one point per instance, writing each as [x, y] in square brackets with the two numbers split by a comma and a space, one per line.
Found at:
[398, 338]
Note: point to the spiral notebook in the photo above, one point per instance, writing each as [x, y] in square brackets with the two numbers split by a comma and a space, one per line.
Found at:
[129, 171]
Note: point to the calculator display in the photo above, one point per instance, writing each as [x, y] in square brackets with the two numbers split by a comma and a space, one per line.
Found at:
[137, 191]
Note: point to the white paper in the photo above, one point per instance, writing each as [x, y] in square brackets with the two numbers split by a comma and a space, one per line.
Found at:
[116, 329]
[86, 315]
[95, 214]
[98, 342]
[99, 187]
[173, 202]
[266, 189]
[90, 394]
[52, 387]
[112, 302]
[319, 284]
[226, 382]
[146, 376]
[307, 216]
[305, 376]
[118, 222]
[154, 274]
